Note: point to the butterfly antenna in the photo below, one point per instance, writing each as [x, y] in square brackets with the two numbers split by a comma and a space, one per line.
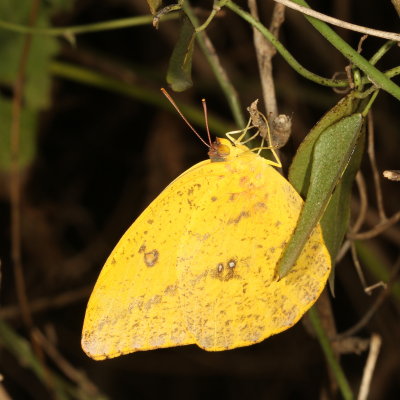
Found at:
[171, 100]
[206, 119]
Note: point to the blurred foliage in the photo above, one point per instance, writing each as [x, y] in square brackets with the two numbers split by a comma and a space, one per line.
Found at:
[37, 82]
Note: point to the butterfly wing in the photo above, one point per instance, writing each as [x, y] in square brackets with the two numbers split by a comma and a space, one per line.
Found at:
[228, 254]
[135, 304]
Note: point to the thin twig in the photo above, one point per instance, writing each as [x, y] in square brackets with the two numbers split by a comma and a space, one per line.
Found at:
[369, 367]
[376, 230]
[22, 351]
[48, 303]
[343, 251]
[362, 191]
[340, 23]
[369, 289]
[375, 306]
[362, 212]
[357, 264]
[351, 345]
[281, 125]
[392, 234]
[265, 51]
[68, 370]
[375, 173]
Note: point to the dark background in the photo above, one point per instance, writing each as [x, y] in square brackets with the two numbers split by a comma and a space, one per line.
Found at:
[102, 157]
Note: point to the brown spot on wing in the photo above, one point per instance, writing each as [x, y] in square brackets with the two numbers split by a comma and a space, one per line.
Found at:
[260, 205]
[151, 258]
[191, 190]
[233, 196]
[243, 214]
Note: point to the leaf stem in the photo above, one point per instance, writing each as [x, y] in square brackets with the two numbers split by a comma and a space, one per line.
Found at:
[329, 354]
[382, 51]
[393, 72]
[369, 104]
[207, 22]
[219, 72]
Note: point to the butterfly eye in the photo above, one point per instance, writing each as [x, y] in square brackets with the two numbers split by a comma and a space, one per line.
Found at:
[218, 151]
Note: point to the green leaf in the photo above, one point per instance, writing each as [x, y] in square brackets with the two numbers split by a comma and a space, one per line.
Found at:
[336, 218]
[43, 49]
[329, 158]
[28, 123]
[37, 80]
[179, 74]
[299, 171]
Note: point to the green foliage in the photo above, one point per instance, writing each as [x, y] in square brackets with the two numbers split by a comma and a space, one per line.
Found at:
[336, 216]
[299, 172]
[179, 74]
[330, 155]
[37, 82]
[335, 220]
[28, 123]
[43, 49]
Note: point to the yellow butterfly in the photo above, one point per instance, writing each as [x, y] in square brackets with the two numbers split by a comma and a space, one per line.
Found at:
[198, 266]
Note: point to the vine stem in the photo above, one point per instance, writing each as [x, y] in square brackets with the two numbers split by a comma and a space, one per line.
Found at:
[218, 70]
[375, 76]
[79, 29]
[340, 23]
[381, 52]
[282, 50]
[329, 354]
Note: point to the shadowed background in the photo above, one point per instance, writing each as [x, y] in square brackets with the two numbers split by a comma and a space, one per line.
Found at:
[95, 158]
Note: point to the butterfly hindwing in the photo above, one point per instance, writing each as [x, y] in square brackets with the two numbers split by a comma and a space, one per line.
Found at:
[228, 254]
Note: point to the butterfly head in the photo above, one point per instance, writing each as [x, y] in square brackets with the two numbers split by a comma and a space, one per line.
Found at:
[223, 150]
[219, 151]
